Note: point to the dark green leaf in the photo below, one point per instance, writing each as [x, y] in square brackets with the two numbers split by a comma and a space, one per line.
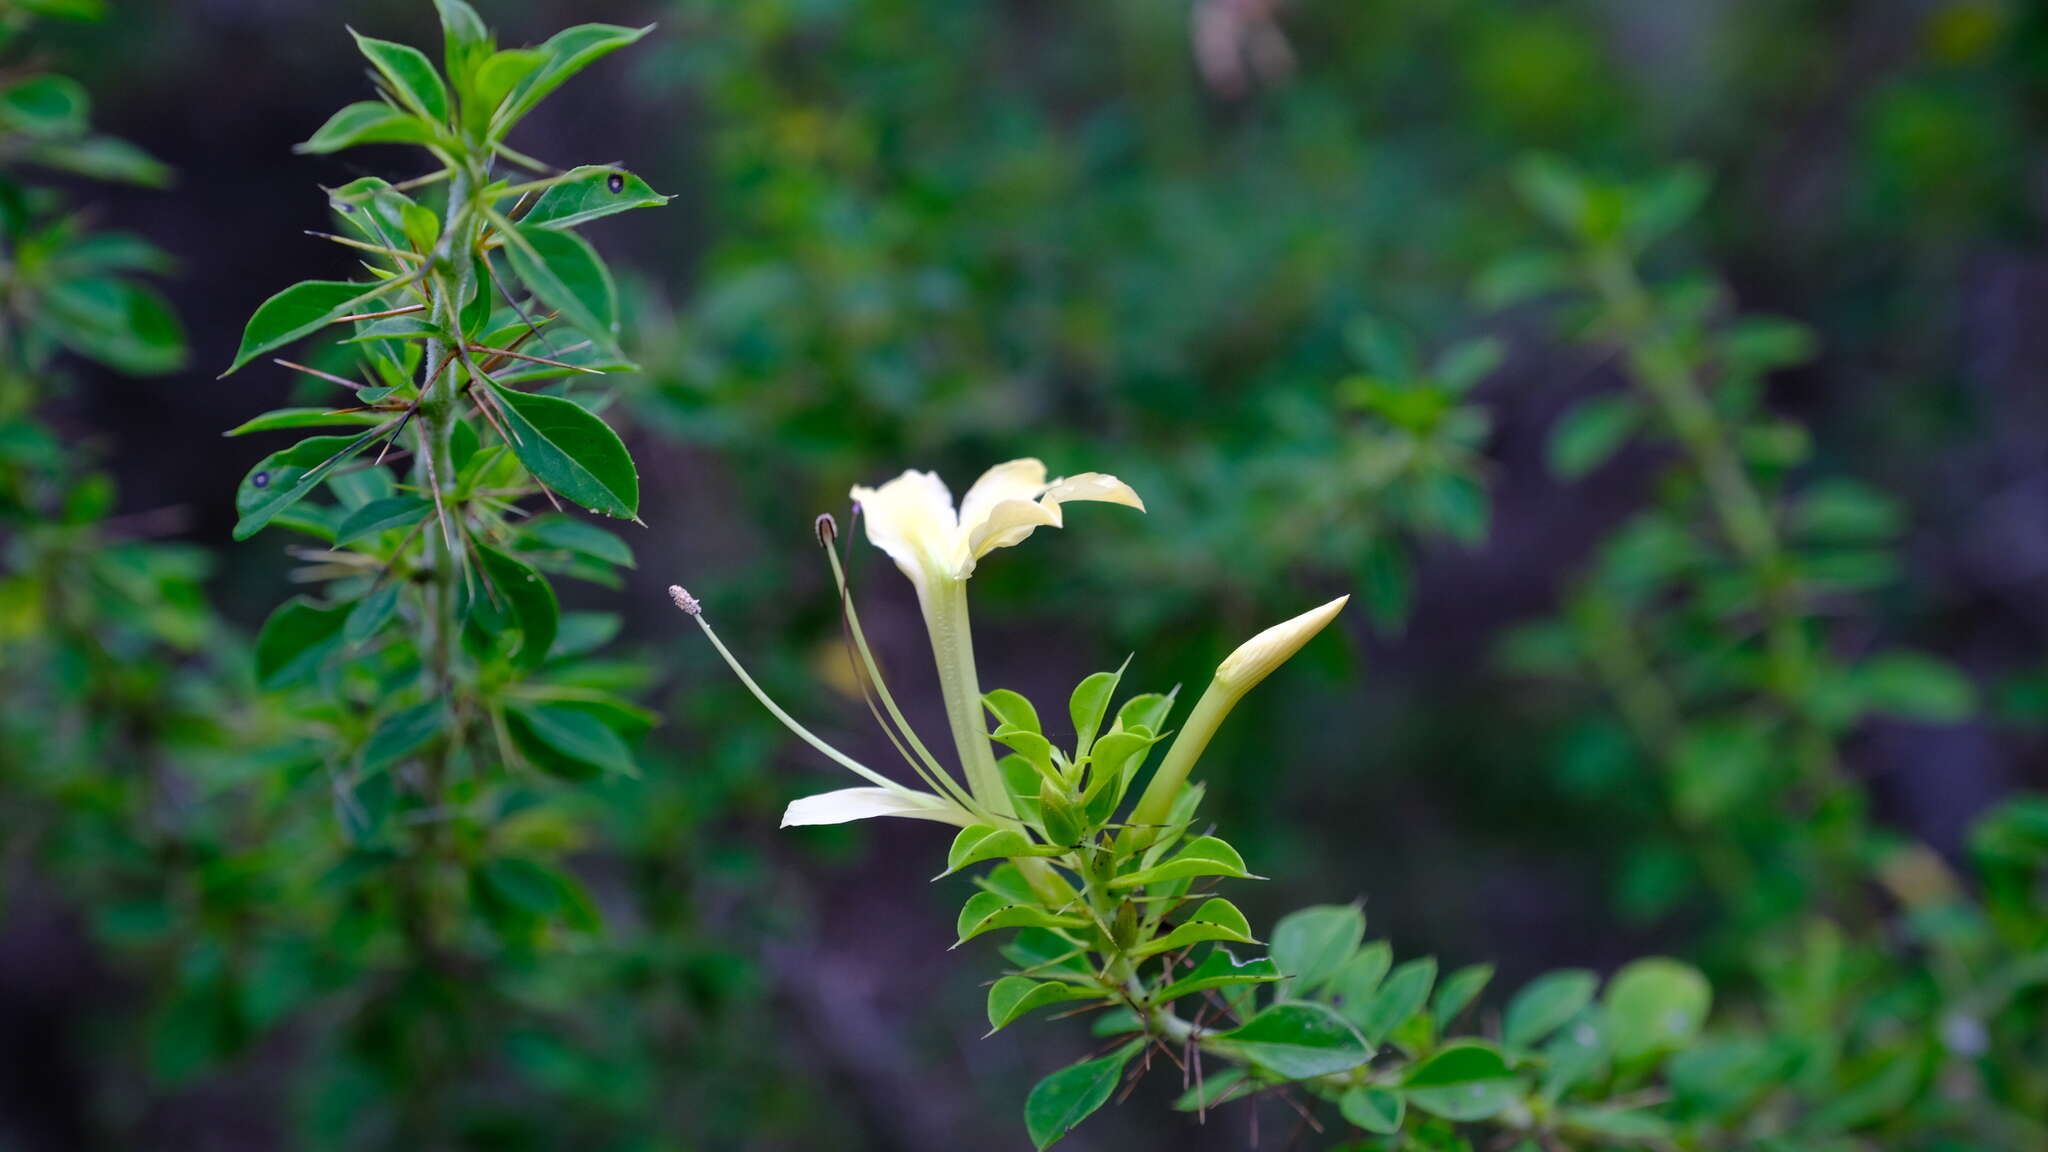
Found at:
[282, 479]
[301, 309]
[593, 191]
[569, 52]
[367, 122]
[568, 741]
[1299, 1041]
[564, 271]
[402, 733]
[45, 105]
[123, 325]
[305, 418]
[297, 638]
[1072, 1094]
[524, 598]
[381, 516]
[410, 74]
[572, 452]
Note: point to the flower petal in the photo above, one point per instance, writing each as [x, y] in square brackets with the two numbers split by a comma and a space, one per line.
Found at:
[1092, 486]
[862, 803]
[1015, 480]
[1009, 523]
[911, 518]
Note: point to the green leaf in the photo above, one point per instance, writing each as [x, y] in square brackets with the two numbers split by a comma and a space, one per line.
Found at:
[1555, 192]
[1632, 1125]
[528, 599]
[1655, 1005]
[47, 105]
[464, 37]
[1377, 1110]
[1013, 996]
[988, 911]
[576, 537]
[1310, 945]
[1202, 856]
[1591, 432]
[281, 418]
[1545, 1005]
[367, 122]
[1459, 989]
[1914, 686]
[1216, 919]
[568, 52]
[121, 324]
[410, 74]
[572, 452]
[1013, 710]
[402, 733]
[381, 516]
[1062, 1100]
[564, 271]
[1401, 995]
[301, 309]
[495, 79]
[1465, 1082]
[1087, 706]
[983, 842]
[371, 613]
[1147, 710]
[1220, 1086]
[282, 479]
[1299, 1041]
[568, 741]
[1220, 969]
[296, 639]
[1356, 984]
[592, 192]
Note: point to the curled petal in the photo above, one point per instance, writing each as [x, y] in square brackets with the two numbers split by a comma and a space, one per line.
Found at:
[862, 803]
[1014, 480]
[1009, 523]
[1092, 486]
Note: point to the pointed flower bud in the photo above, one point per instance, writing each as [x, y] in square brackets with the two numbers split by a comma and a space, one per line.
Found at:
[1256, 658]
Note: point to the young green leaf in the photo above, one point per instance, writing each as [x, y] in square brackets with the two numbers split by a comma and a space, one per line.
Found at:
[301, 309]
[1062, 1100]
[1216, 919]
[572, 452]
[1012, 710]
[1202, 856]
[1087, 706]
[987, 911]
[982, 842]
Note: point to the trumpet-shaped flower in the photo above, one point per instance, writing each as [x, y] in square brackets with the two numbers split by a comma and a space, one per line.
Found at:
[913, 520]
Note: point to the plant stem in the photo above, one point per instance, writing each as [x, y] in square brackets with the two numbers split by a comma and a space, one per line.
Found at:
[945, 611]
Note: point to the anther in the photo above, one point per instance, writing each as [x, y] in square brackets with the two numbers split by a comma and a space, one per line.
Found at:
[684, 600]
[827, 529]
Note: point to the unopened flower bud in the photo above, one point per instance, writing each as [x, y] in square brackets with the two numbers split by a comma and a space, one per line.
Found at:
[1256, 658]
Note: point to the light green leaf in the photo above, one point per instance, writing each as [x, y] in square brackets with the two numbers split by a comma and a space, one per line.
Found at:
[1012, 709]
[1012, 997]
[1545, 1005]
[1655, 1005]
[988, 911]
[1914, 686]
[1220, 969]
[572, 452]
[1202, 856]
[983, 842]
[1467, 1081]
[1299, 1041]
[1310, 945]
[1459, 989]
[1377, 1110]
[1087, 706]
[1216, 919]
[1072, 1094]
[1591, 432]
[1401, 995]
